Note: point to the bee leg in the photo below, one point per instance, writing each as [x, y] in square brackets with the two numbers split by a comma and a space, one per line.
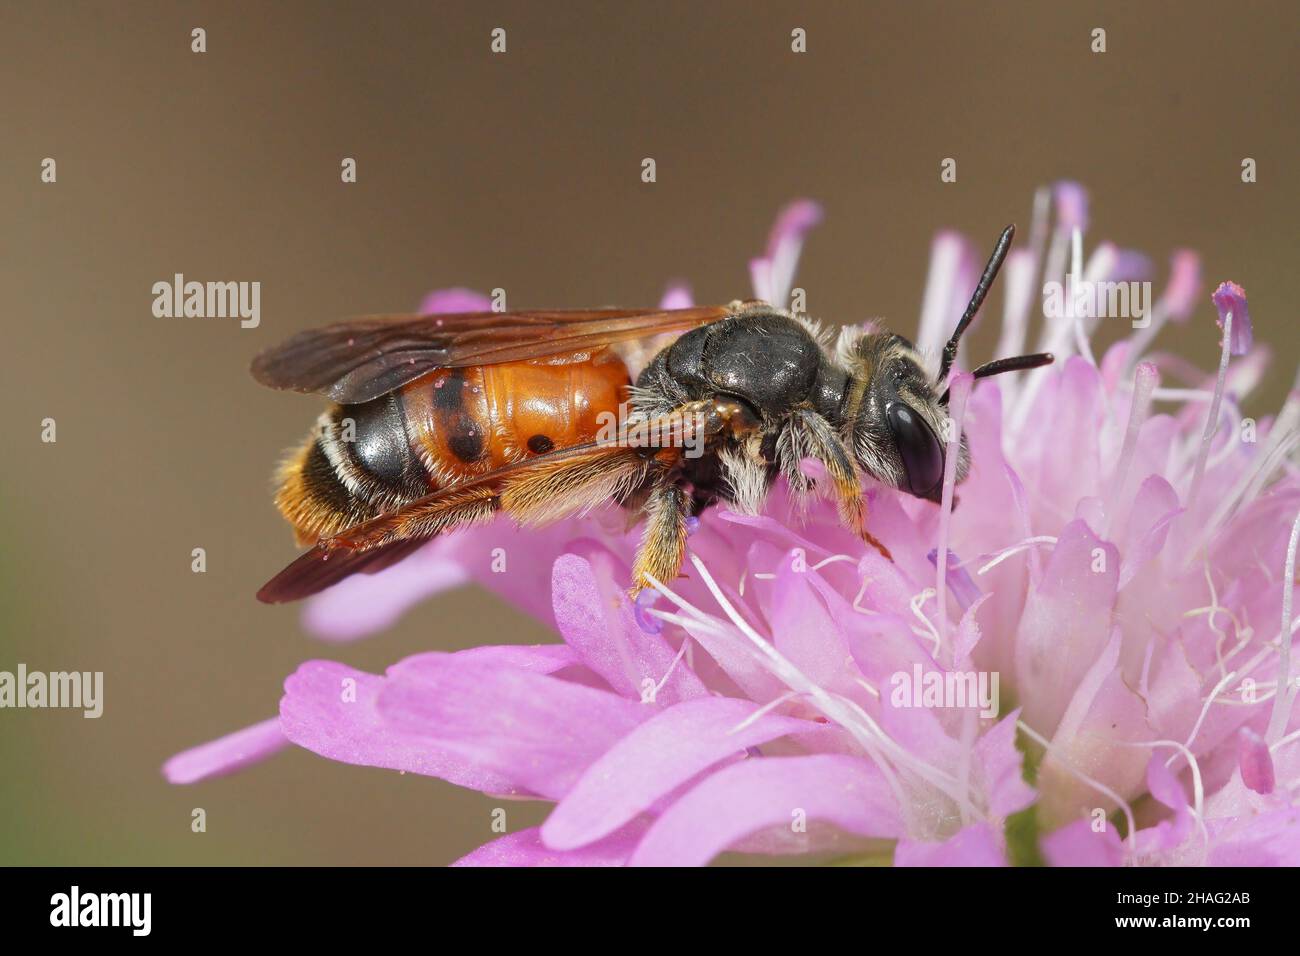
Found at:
[446, 512]
[809, 434]
[663, 545]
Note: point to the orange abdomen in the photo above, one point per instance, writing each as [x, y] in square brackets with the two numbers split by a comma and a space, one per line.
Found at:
[441, 429]
[467, 422]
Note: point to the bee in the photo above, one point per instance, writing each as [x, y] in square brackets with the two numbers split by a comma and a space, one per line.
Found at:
[442, 422]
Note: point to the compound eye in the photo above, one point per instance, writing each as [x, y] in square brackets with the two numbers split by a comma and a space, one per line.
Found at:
[919, 448]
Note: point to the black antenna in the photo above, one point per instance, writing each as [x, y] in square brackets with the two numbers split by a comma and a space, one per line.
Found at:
[976, 300]
[1016, 363]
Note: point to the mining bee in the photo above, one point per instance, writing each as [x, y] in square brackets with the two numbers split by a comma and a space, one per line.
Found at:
[440, 422]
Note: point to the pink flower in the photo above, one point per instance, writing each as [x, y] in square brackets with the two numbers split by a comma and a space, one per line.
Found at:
[1096, 641]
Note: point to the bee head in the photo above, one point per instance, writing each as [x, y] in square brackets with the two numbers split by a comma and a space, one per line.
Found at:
[899, 428]
[899, 418]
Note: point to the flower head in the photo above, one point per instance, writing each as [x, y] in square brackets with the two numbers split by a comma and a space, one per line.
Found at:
[1091, 633]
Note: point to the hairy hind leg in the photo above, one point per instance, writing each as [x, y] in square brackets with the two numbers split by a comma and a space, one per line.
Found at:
[663, 545]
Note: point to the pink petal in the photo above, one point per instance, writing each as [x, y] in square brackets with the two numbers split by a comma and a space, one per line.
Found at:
[1230, 297]
[951, 278]
[1184, 286]
[1101, 711]
[314, 715]
[597, 621]
[1077, 844]
[367, 603]
[770, 792]
[1154, 509]
[793, 223]
[226, 754]
[760, 277]
[538, 658]
[1071, 206]
[663, 753]
[975, 845]
[803, 629]
[447, 301]
[773, 274]
[537, 731]
[1255, 761]
[677, 296]
[1075, 406]
[1065, 625]
[1271, 839]
[968, 630]
[1165, 788]
[525, 848]
[1004, 781]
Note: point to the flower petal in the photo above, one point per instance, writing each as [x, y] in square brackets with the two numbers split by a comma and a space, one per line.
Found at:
[367, 603]
[525, 848]
[1154, 509]
[226, 754]
[1101, 712]
[1071, 206]
[774, 273]
[770, 792]
[1164, 787]
[1066, 623]
[677, 296]
[1184, 286]
[598, 622]
[975, 845]
[457, 299]
[342, 722]
[1004, 781]
[1077, 844]
[1271, 839]
[538, 658]
[663, 753]
[1255, 761]
[951, 278]
[537, 731]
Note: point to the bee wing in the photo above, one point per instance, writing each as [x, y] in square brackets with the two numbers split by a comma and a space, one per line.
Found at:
[362, 359]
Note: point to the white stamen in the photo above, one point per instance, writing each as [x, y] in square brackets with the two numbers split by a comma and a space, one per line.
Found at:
[1076, 268]
[959, 391]
[1014, 550]
[831, 560]
[1286, 696]
[673, 666]
[857, 600]
[916, 602]
[1018, 298]
[874, 692]
[1212, 419]
[1145, 379]
[878, 745]
[1223, 682]
[767, 708]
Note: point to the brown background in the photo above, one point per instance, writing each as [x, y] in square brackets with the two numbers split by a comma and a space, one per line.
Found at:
[519, 171]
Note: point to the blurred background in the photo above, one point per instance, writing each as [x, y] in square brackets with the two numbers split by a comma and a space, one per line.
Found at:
[519, 171]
